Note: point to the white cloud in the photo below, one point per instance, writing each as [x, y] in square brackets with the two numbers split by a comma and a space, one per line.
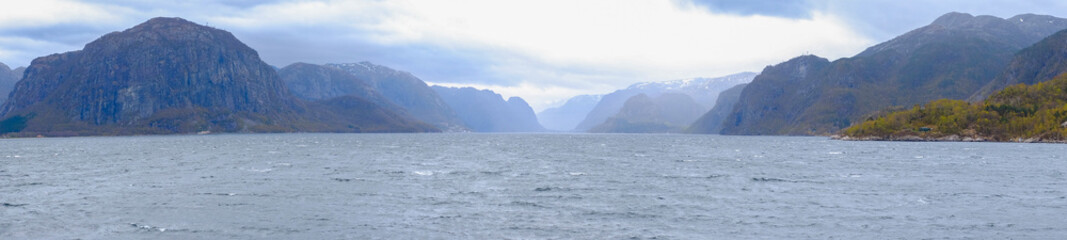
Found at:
[24, 14]
[623, 40]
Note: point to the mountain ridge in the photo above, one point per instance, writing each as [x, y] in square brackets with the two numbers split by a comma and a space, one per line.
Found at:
[169, 75]
[953, 57]
[487, 111]
[408, 91]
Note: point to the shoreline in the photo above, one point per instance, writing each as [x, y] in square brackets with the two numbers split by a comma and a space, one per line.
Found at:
[950, 138]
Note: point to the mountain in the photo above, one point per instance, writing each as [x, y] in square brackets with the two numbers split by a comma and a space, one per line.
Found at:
[169, 75]
[8, 78]
[1019, 113]
[668, 113]
[711, 122]
[317, 82]
[953, 58]
[407, 91]
[703, 90]
[1038, 63]
[487, 111]
[566, 117]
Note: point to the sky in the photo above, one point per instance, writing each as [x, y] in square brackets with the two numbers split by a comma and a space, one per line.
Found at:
[544, 51]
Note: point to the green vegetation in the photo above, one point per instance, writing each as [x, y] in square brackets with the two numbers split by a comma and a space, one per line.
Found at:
[13, 124]
[1017, 113]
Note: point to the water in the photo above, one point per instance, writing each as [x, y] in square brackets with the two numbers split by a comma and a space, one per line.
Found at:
[521, 186]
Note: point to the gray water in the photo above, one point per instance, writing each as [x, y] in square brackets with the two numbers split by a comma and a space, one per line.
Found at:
[526, 186]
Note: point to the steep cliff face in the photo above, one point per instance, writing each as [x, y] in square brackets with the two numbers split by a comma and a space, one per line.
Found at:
[667, 113]
[953, 57]
[407, 91]
[163, 63]
[1038, 63]
[487, 111]
[711, 122]
[166, 75]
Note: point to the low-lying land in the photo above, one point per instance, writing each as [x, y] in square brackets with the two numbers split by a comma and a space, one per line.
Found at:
[1019, 113]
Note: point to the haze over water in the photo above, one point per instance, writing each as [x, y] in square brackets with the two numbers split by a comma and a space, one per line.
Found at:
[523, 186]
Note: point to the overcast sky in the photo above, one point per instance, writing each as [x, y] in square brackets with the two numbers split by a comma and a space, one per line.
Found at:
[542, 50]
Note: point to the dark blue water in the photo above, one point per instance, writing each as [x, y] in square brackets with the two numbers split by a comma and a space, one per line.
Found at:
[522, 186]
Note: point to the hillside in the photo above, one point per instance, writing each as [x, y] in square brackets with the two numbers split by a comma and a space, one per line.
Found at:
[316, 82]
[1038, 63]
[1022, 113]
[952, 58]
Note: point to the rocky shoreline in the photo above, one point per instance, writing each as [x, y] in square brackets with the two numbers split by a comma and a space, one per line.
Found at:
[949, 138]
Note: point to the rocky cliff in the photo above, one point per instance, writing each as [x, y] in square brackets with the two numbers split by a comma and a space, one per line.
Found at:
[166, 75]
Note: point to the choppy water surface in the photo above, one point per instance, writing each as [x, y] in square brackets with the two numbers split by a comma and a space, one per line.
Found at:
[488, 186]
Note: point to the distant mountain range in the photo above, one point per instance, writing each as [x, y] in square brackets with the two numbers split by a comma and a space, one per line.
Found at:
[487, 111]
[712, 121]
[169, 75]
[703, 91]
[669, 112]
[8, 78]
[954, 57]
[566, 117]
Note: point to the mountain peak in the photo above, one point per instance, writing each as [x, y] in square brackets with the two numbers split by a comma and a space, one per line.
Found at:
[173, 27]
[167, 32]
[165, 21]
[953, 18]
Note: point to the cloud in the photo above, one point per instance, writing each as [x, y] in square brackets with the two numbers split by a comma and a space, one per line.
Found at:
[539, 50]
[773, 8]
[25, 14]
[620, 41]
